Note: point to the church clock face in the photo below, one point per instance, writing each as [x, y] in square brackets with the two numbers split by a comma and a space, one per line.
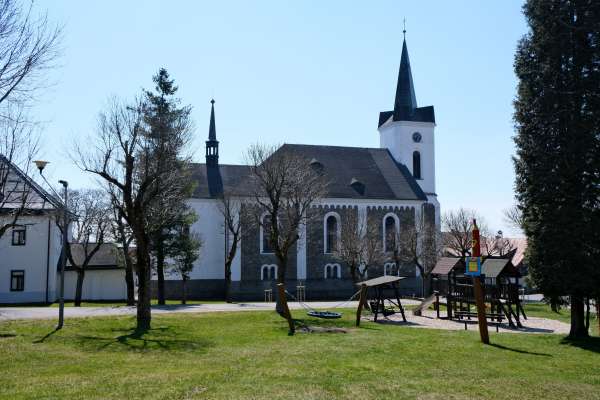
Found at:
[416, 137]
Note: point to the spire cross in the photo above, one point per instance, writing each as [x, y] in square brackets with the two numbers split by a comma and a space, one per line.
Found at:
[404, 29]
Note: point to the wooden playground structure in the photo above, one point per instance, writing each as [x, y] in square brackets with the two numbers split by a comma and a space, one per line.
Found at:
[501, 291]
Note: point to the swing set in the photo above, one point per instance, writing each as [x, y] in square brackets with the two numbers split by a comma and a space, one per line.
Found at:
[373, 295]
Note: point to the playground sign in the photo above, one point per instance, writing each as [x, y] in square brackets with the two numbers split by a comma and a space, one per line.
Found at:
[473, 266]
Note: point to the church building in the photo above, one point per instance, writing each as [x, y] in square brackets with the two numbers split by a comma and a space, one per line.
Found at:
[388, 186]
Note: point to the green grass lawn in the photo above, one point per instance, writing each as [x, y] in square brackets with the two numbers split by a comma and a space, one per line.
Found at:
[250, 355]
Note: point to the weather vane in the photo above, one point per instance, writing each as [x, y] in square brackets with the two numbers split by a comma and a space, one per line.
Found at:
[404, 29]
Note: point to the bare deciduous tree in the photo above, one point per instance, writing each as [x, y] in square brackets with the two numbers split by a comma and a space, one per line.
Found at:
[91, 224]
[124, 237]
[121, 155]
[513, 217]
[231, 209]
[285, 188]
[19, 143]
[457, 226]
[372, 249]
[419, 245]
[351, 245]
[29, 45]
[360, 246]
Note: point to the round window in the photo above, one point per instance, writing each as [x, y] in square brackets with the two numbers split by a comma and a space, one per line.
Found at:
[417, 137]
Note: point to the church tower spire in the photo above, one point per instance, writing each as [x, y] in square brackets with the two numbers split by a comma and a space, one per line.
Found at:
[406, 101]
[212, 144]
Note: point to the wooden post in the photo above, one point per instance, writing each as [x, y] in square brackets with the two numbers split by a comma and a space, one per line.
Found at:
[361, 302]
[286, 310]
[478, 289]
[483, 327]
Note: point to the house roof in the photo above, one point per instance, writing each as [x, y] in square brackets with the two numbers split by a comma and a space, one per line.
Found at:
[379, 175]
[38, 199]
[446, 264]
[104, 258]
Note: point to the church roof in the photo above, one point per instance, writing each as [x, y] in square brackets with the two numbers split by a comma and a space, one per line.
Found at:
[405, 102]
[380, 176]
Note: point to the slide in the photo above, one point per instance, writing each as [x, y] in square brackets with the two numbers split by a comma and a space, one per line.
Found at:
[424, 305]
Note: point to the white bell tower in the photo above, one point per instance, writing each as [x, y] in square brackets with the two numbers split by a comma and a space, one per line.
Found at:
[408, 131]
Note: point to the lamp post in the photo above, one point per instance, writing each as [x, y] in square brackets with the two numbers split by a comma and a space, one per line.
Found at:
[63, 255]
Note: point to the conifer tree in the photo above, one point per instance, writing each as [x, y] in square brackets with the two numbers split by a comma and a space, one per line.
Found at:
[168, 128]
[557, 115]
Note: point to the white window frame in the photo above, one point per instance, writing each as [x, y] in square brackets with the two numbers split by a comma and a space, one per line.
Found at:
[338, 233]
[390, 265]
[268, 266]
[329, 266]
[397, 225]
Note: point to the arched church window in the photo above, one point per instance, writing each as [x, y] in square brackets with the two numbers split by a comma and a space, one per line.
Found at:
[333, 271]
[390, 230]
[332, 230]
[390, 269]
[417, 165]
[268, 272]
[265, 234]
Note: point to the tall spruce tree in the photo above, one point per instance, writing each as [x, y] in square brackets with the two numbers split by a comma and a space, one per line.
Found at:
[557, 115]
[169, 127]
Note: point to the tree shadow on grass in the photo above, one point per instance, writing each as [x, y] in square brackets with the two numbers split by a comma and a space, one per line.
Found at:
[533, 353]
[43, 339]
[590, 344]
[155, 339]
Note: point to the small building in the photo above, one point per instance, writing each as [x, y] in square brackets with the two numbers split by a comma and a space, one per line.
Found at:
[104, 276]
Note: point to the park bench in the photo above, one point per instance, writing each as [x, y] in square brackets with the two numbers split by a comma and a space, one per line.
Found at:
[494, 318]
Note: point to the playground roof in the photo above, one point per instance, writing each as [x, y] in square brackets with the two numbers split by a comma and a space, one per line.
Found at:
[492, 267]
[445, 265]
[382, 280]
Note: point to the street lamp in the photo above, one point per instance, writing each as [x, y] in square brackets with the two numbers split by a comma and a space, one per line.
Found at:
[63, 256]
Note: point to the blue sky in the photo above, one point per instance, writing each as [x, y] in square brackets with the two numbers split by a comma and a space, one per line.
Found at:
[315, 72]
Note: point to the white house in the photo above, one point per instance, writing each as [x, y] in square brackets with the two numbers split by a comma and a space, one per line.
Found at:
[29, 251]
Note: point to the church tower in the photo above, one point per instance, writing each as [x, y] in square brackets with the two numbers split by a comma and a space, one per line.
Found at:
[408, 131]
[212, 144]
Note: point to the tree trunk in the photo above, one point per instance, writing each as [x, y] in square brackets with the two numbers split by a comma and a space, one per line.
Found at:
[227, 282]
[129, 280]
[422, 273]
[281, 305]
[587, 314]
[160, 270]
[578, 329]
[598, 313]
[183, 291]
[144, 316]
[79, 287]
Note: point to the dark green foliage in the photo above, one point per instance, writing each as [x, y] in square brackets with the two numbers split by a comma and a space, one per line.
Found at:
[168, 129]
[557, 115]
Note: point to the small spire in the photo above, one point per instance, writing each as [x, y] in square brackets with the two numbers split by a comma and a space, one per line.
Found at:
[405, 101]
[212, 131]
[212, 144]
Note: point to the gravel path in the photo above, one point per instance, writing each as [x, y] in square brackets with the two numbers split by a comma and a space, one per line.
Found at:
[428, 320]
[13, 313]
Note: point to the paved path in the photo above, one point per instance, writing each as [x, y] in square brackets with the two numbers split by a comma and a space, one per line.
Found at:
[12, 313]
